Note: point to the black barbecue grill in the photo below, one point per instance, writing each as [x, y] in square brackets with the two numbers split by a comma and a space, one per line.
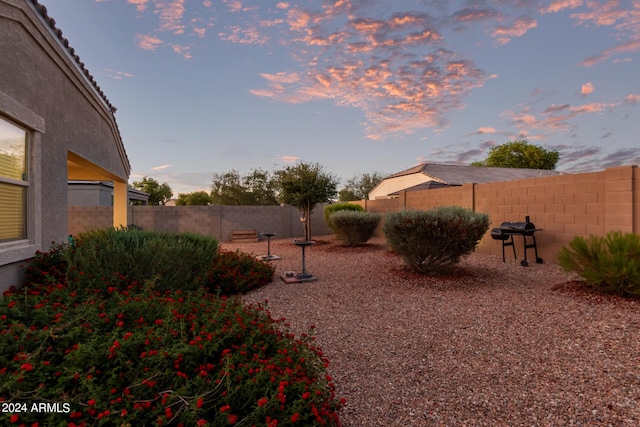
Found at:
[525, 229]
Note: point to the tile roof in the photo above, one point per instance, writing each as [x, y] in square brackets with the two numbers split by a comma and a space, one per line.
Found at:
[464, 174]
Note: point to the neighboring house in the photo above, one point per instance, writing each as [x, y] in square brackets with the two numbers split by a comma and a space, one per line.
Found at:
[437, 175]
[56, 125]
[100, 193]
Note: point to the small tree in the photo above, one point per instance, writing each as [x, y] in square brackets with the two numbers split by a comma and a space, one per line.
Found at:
[159, 194]
[520, 154]
[358, 187]
[303, 186]
[197, 198]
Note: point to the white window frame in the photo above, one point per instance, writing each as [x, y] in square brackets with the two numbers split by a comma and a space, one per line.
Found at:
[19, 250]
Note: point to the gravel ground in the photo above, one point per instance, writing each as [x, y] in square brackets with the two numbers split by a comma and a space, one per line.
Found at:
[494, 344]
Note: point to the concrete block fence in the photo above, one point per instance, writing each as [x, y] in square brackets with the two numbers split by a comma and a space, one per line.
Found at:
[216, 220]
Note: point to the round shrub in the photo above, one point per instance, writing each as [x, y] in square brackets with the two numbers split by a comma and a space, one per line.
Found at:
[435, 240]
[609, 264]
[354, 228]
[169, 259]
[236, 272]
[336, 207]
[139, 357]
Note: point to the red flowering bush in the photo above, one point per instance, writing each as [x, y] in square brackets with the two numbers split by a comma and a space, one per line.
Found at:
[136, 356]
[236, 272]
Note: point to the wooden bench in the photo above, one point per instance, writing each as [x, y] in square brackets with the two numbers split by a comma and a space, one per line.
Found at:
[244, 236]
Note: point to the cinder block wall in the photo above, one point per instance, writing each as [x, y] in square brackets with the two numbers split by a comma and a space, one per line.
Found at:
[563, 206]
[217, 221]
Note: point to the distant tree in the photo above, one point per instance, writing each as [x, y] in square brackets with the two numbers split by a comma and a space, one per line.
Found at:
[303, 186]
[197, 198]
[228, 189]
[257, 188]
[358, 187]
[263, 186]
[345, 195]
[159, 194]
[520, 154]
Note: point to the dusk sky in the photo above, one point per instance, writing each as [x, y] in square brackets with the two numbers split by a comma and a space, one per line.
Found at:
[205, 86]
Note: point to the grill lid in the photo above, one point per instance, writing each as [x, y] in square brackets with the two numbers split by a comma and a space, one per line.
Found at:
[517, 226]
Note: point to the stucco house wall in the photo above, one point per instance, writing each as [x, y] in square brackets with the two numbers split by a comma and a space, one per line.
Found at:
[72, 132]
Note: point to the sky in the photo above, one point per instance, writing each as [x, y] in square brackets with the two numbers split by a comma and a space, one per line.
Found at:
[359, 86]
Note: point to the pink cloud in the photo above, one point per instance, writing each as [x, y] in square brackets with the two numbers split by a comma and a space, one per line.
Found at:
[118, 75]
[289, 159]
[632, 99]
[234, 5]
[184, 51]
[560, 5]
[521, 25]
[586, 88]
[486, 129]
[170, 16]
[159, 168]
[282, 5]
[630, 46]
[148, 42]
[141, 5]
[474, 14]
[240, 35]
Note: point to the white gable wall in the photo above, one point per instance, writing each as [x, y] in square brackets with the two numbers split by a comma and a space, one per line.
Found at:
[391, 185]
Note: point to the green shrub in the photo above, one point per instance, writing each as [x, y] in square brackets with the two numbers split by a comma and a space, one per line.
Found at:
[170, 259]
[433, 241]
[354, 228]
[236, 272]
[608, 264]
[139, 357]
[336, 207]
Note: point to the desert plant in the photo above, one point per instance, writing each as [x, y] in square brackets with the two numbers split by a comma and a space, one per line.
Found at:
[337, 207]
[433, 241]
[354, 228]
[170, 259]
[608, 264]
[137, 357]
[236, 272]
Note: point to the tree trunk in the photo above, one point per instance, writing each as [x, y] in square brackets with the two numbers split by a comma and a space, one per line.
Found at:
[307, 223]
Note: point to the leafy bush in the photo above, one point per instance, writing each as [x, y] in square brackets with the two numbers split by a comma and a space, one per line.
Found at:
[433, 241]
[354, 228]
[170, 259]
[138, 357]
[336, 207]
[608, 264]
[48, 266]
[236, 272]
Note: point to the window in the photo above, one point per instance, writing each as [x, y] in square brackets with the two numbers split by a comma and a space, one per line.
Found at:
[14, 181]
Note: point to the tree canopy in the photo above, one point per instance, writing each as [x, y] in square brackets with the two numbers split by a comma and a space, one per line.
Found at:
[358, 187]
[520, 154]
[256, 188]
[159, 194]
[196, 198]
[303, 186]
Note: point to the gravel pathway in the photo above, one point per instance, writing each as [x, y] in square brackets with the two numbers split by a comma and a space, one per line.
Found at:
[494, 344]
